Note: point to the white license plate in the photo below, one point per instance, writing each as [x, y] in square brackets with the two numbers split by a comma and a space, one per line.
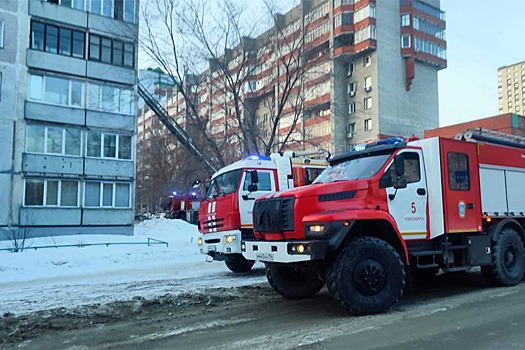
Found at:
[212, 248]
[264, 256]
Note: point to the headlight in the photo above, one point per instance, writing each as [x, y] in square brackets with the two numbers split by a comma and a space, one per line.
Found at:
[316, 228]
[200, 241]
[298, 248]
[230, 238]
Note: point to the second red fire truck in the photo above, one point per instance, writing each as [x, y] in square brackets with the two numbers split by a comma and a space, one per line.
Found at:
[377, 215]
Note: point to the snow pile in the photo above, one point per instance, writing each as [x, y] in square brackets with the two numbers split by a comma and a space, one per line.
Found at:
[65, 277]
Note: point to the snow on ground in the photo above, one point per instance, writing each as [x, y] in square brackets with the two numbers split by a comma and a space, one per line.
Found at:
[66, 277]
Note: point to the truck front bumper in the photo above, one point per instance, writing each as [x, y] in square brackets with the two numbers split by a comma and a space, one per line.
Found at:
[285, 251]
[217, 243]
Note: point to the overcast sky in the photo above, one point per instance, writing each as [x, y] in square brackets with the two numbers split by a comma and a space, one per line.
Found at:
[482, 35]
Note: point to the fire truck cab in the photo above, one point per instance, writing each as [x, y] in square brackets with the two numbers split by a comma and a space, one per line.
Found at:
[376, 216]
[225, 214]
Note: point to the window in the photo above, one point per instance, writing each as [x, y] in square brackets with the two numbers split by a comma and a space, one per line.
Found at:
[54, 140]
[350, 70]
[111, 51]
[110, 98]
[2, 33]
[352, 129]
[367, 61]
[56, 90]
[405, 41]
[351, 108]
[102, 145]
[107, 194]
[351, 88]
[368, 124]
[458, 171]
[412, 172]
[51, 39]
[405, 20]
[264, 183]
[57, 40]
[368, 103]
[51, 193]
[368, 83]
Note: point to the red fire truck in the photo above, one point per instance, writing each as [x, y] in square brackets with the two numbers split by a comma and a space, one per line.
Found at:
[225, 214]
[376, 216]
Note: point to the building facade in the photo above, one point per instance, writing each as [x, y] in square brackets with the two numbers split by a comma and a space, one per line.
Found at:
[511, 88]
[371, 72]
[68, 121]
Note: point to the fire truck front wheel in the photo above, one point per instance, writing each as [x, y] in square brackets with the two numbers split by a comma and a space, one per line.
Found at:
[367, 277]
[296, 280]
[508, 256]
[238, 263]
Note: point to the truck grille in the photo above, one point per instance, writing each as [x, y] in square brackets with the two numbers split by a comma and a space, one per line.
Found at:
[274, 215]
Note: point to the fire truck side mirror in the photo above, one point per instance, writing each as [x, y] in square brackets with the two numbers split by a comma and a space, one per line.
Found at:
[254, 180]
[399, 163]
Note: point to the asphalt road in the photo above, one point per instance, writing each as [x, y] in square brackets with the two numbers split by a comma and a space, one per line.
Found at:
[449, 312]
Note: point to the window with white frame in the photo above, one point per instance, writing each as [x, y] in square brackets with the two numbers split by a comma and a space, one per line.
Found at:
[405, 41]
[351, 88]
[368, 103]
[350, 69]
[56, 90]
[368, 124]
[368, 83]
[110, 98]
[53, 140]
[1, 33]
[51, 193]
[351, 108]
[107, 194]
[352, 129]
[405, 20]
[103, 145]
[367, 60]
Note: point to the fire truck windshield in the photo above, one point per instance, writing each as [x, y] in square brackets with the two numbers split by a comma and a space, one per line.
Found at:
[224, 184]
[353, 169]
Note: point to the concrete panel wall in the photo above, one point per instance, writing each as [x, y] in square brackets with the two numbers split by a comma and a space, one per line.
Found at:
[56, 114]
[402, 112]
[107, 216]
[123, 30]
[56, 63]
[111, 73]
[109, 168]
[62, 14]
[52, 164]
[50, 216]
[110, 120]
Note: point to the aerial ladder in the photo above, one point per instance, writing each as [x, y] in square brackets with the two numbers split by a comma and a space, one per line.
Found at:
[173, 126]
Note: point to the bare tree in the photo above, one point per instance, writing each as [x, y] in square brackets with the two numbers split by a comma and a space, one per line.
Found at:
[224, 54]
[17, 235]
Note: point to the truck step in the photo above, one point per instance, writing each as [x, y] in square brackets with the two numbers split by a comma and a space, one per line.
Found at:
[426, 253]
[427, 266]
[455, 269]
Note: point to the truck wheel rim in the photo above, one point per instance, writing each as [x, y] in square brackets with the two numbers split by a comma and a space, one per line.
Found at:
[510, 258]
[369, 277]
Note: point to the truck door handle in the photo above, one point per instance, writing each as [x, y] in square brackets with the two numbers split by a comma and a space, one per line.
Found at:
[470, 206]
[421, 191]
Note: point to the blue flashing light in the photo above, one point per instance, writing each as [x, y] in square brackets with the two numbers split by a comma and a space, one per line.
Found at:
[255, 157]
[390, 141]
[174, 193]
[193, 194]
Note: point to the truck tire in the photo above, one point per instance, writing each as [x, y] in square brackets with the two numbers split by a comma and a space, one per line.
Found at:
[508, 256]
[238, 263]
[296, 280]
[367, 277]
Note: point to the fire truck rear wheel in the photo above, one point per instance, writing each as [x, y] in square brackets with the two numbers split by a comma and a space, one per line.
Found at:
[508, 255]
[238, 263]
[367, 277]
[297, 280]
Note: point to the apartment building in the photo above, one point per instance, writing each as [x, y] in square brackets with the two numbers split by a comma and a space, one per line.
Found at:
[68, 122]
[372, 71]
[511, 88]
